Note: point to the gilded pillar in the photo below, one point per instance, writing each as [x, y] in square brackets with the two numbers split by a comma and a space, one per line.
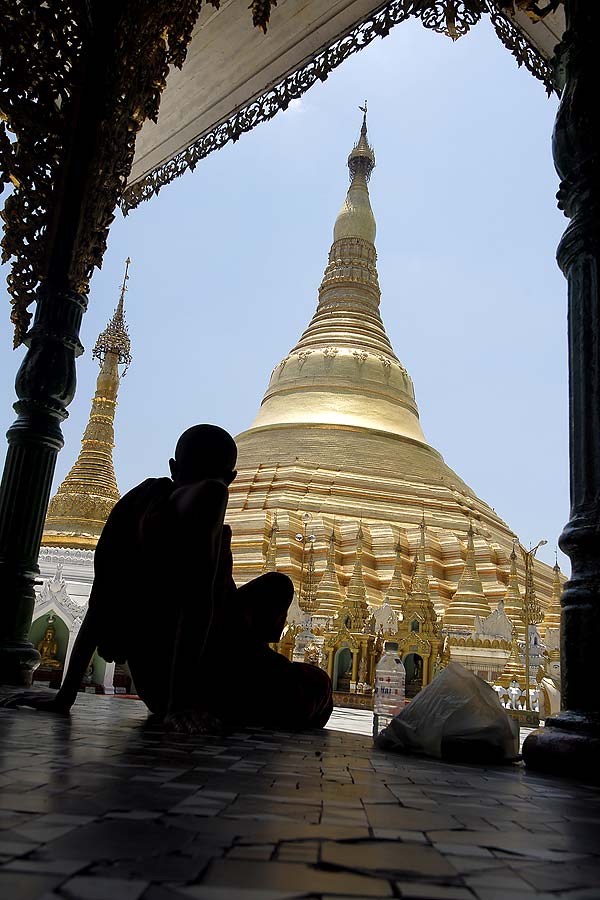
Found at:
[355, 655]
[573, 736]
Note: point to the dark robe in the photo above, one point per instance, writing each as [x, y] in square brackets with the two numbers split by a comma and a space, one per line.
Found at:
[144, 571]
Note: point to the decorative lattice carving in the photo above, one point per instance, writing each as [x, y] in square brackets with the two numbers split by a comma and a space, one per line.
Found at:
[452, 17]
[46, 48]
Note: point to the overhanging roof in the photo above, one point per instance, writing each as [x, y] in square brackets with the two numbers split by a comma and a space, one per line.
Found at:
[235, 77]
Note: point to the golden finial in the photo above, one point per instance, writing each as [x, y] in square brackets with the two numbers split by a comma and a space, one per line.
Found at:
[359, 539]
[115, 337]
[423, 527]
[362, 159]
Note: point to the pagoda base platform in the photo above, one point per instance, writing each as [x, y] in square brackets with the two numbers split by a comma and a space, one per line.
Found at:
[567, 745]
[105, 804]
[352, 700]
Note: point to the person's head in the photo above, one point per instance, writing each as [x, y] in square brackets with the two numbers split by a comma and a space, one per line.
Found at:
[204, 451]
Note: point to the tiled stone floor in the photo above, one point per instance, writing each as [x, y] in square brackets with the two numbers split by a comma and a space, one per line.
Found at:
[102, 807]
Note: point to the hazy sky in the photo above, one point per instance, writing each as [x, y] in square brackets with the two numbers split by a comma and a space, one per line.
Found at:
[227, 261]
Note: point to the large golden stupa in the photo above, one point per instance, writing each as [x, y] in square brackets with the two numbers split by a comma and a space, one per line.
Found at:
[337, 449]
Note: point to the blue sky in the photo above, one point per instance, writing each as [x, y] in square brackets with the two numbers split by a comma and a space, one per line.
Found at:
[226, 264]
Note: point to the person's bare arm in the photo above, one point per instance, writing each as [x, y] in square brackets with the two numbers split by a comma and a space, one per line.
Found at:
[62, 701]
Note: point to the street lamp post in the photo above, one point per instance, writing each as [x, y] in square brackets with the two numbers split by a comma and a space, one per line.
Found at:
[531, 611]
[302, 538]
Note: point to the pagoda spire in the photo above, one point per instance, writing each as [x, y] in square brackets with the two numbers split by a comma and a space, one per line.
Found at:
[356, 596]
[396, 592]
[419, 599]
[270, 564]
[513, 601]
[329, 592]
[469, 600]
[80, 507]
[343, 370]
[552, 617]
[514, 670]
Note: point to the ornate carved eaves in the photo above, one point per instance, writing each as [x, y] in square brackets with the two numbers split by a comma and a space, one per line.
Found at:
[78, 79]
[453, 18]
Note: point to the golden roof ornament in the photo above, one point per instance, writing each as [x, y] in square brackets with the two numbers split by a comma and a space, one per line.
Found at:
[514, 669]
[115, 337]
[82, 503]
[418, 600]
[552, 617]
[270, 564]
[308, 592]
[419, 585]
[329, 593]
[356, 597]
[513, 601]
[469, 599]
[396, 592]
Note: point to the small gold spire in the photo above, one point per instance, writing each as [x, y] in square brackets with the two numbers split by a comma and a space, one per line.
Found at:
[513, 601]
[418, 600]
[309, 586]
[396, 592]
[419, 585]
[329, 592]
[270, 564]
[514, 670]
[552, 617]
[469, 599]
[356, 598]
[82, 503]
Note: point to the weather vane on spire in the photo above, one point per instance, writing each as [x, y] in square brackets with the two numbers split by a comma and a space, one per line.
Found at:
[125, 277]
[362, 158]
[363, 110]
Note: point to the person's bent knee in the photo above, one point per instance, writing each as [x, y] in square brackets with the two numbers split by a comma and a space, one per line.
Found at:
[281, 585]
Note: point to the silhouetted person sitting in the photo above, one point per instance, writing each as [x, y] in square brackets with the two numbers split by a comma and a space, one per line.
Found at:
[164, 601]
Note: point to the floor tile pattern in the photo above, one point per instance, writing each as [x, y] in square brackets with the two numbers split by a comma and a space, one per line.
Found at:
[104, 806]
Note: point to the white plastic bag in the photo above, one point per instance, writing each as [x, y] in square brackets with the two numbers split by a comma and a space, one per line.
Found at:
[458, 716]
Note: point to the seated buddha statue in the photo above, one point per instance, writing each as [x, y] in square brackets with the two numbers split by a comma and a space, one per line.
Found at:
[48, 649]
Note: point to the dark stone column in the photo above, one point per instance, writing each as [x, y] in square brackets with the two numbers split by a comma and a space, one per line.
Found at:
[45, 386]
[570, 742]
[45, 383]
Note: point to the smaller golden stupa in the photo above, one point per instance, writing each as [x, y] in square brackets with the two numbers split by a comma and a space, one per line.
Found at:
[82, 503]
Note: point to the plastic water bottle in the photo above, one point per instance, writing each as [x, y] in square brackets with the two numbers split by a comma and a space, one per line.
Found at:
[390, 687]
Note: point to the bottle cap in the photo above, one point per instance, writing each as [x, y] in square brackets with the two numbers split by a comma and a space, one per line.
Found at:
[390, 647]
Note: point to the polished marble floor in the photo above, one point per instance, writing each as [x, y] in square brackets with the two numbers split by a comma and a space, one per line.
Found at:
[102, 807]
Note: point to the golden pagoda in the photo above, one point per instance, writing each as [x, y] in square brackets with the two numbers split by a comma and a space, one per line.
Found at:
[82, 503]
[338, 438]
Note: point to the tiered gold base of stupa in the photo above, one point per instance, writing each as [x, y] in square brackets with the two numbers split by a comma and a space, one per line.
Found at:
[340, 476]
